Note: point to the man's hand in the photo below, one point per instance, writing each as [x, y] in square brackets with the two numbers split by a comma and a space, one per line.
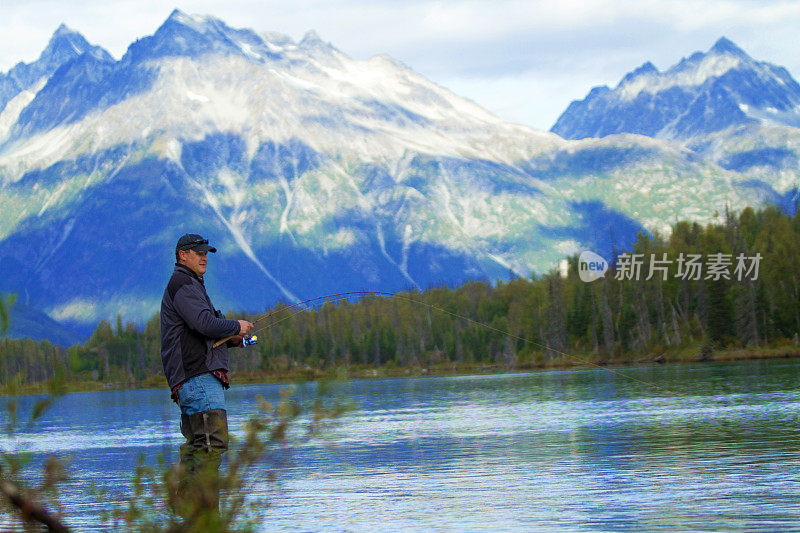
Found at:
[235, 341]
[245, 327]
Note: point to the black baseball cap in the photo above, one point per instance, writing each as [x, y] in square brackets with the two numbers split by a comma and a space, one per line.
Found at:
[193, 241]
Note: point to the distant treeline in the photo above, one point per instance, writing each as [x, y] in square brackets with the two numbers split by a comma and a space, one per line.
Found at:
[531, 321]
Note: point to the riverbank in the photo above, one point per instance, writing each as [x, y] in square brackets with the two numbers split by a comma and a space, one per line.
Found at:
[689, 354]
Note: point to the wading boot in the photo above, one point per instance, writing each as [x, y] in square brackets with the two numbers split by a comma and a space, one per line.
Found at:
[188, 461]
[206, 440]
[188, 468]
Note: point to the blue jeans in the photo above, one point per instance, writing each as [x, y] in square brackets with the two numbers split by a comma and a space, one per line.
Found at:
[202, 392]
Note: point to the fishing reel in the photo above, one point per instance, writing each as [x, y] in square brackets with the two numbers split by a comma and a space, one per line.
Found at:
[249, 340]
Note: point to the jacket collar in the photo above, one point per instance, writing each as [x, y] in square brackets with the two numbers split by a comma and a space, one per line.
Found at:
[187, 270]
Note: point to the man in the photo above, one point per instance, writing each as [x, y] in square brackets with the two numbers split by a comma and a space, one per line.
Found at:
[196, 372]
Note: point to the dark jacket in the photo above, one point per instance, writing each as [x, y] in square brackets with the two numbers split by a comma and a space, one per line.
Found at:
[189, 327]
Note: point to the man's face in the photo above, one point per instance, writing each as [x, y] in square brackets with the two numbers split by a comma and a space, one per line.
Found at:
[197, 261]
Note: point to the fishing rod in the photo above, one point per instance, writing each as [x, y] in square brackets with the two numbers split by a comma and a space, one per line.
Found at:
[336, 296]
[344, 295]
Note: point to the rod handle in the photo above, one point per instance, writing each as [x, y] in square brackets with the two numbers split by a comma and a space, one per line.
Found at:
[223, 341]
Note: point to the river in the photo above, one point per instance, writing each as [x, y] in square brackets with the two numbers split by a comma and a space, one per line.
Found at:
[696, 447]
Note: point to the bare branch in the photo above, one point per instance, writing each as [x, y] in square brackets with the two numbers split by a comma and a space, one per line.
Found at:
[30, 510]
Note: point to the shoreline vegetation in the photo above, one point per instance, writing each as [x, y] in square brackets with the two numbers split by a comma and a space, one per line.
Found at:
[304, 374]
[555, 320]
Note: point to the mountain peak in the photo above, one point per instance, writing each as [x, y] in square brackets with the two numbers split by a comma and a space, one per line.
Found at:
[176, 14]
[726, 46]
[704, 93]
[64, 45]
[183, 35]
[195, 22]
[66, 39]
[311, 38]
[314, 44]
[63, 30]
[67, 44]
[646, 68]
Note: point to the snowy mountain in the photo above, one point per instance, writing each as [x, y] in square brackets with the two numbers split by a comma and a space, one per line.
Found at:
[741, 114]
[310, 171]
[64, 46]
[702, 94]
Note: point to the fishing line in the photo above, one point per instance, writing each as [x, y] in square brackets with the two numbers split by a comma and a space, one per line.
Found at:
[272, 324]
[337, 296]
[343, 295]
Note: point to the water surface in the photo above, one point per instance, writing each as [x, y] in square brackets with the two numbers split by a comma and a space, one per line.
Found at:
[705, 447]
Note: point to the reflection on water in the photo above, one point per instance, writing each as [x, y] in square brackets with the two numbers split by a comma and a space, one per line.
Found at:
[708, 448]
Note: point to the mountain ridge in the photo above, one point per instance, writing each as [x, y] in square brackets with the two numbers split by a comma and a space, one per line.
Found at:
[701, 94]
[64, 45]
[311, 173]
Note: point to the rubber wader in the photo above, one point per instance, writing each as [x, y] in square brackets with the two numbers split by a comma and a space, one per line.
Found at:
[206, 440]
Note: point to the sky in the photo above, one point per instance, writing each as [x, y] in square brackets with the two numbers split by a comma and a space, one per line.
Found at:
[524, 60]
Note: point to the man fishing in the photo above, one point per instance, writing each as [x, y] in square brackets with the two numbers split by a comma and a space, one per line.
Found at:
[196, 371]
